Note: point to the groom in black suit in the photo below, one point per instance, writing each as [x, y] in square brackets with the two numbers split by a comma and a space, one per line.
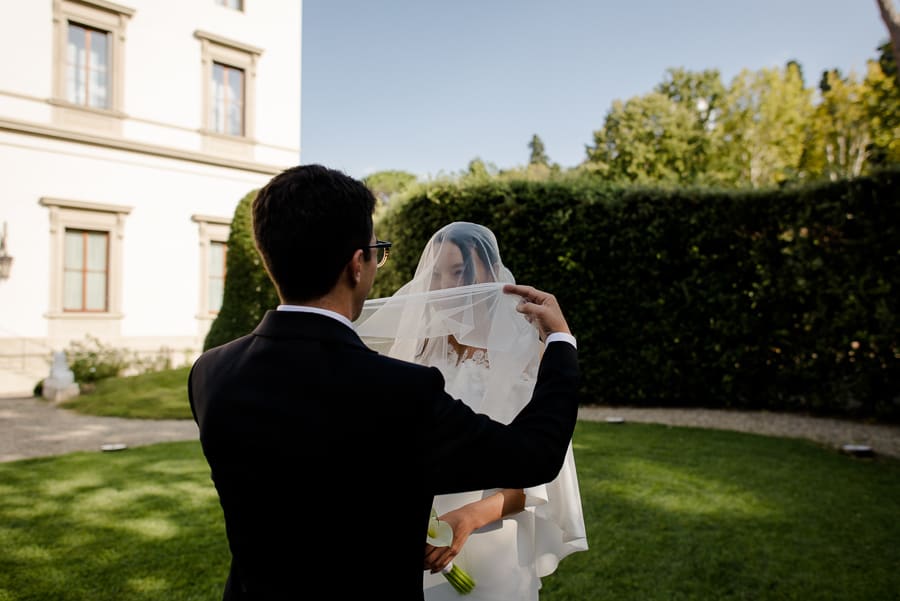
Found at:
[326, 455]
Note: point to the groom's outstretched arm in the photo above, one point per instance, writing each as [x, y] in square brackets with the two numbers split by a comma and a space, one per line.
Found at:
[531, 450]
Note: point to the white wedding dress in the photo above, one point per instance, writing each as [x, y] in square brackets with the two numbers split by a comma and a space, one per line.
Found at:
[506, 559]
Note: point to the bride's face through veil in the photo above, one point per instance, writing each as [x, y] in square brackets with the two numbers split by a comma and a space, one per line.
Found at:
[461, 254]
[454, 296]
[458, 266]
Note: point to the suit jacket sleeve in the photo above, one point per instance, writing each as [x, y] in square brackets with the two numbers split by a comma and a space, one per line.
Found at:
[469, 451]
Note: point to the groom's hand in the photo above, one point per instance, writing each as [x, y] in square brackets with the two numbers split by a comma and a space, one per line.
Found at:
[540, 308]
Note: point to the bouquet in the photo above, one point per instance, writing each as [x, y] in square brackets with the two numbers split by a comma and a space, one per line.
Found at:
[440, 534]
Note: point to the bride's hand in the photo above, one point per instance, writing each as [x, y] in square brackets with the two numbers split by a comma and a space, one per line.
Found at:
[437, 558]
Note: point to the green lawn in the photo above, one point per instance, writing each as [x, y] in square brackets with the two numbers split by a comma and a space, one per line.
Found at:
[152, 395]
[672, 514]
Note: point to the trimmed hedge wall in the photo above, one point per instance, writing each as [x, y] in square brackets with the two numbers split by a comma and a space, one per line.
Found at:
[782, 299]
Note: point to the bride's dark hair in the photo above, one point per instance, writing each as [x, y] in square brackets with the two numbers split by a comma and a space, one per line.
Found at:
[472, 240]
[469, 238]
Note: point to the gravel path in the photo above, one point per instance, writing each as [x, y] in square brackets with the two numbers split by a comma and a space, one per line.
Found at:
[33, 427]
[883, 439]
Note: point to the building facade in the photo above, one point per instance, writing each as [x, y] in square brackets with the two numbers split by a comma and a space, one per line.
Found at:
[128, 134]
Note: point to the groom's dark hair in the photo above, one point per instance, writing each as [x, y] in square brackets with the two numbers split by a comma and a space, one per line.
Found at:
[307, 223]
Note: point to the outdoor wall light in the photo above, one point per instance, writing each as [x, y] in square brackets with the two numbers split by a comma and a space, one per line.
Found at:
[5, 258]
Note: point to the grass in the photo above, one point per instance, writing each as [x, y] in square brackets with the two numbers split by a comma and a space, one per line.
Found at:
[151, 395]
[692, 514]
[672, 514]
[140, 524]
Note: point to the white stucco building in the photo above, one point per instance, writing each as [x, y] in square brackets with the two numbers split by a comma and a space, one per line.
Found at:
[128, 134]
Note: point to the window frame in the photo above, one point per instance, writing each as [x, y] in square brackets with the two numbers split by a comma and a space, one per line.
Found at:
[224, 4]
[85, 270]
[209, 229]
[210, 277]
[90, 216]
[86, 84]
[241, 102]
[229, 53]
[102, 16]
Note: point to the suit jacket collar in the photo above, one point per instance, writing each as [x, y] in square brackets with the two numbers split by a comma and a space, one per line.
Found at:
[295, 324]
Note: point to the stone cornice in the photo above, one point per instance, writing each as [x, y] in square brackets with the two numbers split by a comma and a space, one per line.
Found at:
[56, 133]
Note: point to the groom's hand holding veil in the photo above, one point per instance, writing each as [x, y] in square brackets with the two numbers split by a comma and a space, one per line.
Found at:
[540, 308]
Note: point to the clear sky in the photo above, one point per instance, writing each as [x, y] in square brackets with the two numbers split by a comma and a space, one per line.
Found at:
[426, 86]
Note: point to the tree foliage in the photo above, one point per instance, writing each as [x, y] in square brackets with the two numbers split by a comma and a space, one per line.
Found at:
[762, 129]
[883, 107]
[765, 128]
[840, 133]
[649, 138]
[387, 184]
[538, 155]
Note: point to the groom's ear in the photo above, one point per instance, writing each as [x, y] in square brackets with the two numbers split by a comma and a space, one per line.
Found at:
[355, 266]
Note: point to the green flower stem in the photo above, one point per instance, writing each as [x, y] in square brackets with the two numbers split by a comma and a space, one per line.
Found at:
[459, 579]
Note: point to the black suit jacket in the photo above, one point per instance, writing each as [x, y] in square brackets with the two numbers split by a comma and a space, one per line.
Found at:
[326, 455]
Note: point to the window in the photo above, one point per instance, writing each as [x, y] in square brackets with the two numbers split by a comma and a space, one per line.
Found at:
[85, 265]
[89, 49]
[86, 270]
[87, 66]
[215, 284]
[235, 4]
[212, 233]
[229, 86]
[228, 100]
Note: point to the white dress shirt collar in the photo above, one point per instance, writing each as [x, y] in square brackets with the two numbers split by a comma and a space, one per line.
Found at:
[304, 309]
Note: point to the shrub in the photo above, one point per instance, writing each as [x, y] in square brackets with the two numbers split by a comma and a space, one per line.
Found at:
[249, 292]
[92, 360]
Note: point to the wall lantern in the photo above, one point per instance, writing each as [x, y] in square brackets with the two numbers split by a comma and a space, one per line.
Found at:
[5, 258]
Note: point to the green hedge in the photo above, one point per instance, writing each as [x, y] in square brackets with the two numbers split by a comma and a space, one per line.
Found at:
[781, 299]
[249, 292]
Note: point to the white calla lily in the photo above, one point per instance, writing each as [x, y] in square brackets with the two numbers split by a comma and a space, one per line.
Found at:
[440, 534]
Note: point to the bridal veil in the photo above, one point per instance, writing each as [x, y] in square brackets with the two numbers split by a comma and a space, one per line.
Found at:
[455, 301]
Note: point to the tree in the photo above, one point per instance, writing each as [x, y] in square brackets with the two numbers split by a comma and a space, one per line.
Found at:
[538, 156]
[478, 171]
[883, 107]
[702, 92]
[662, 137]
[647, 139]
[840, 132]
[892, 22]
[386, 184]
[763, 127]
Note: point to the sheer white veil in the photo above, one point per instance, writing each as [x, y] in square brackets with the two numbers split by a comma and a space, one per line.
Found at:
[416, 324]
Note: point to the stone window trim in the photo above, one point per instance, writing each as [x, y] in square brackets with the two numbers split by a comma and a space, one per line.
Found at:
[76, 214]
[217, 49]
[209, 229]
[97, 14]
[239, 8]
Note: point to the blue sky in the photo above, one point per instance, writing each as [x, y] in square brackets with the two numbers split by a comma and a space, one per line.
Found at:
[426, 86]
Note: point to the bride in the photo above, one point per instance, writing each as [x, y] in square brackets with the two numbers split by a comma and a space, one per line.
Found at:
[454, 316]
